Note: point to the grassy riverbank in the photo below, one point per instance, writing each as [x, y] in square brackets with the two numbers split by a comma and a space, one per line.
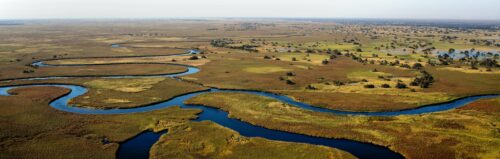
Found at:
[209, 140]
[450, 134]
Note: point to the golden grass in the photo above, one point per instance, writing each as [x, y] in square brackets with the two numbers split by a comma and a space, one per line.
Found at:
[129, 86]
[466, 69]
[265, 69]
[304, 57]
[153, 59]
[209, 140]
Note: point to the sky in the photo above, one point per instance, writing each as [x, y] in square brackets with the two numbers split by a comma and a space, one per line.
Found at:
[385, 9]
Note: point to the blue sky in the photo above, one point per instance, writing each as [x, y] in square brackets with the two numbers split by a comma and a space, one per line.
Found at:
[405, 9]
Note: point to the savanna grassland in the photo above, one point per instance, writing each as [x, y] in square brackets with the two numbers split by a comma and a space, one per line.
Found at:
[340, 66]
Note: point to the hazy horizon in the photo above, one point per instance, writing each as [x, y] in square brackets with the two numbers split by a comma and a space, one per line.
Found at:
[340, 9]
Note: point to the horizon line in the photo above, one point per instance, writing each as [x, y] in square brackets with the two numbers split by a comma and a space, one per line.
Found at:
[249, 17]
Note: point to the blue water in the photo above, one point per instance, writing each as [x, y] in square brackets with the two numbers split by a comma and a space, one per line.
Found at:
[116, 46]
[139, 146]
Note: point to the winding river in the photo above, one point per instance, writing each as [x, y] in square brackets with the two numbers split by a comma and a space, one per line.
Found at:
[139, 146]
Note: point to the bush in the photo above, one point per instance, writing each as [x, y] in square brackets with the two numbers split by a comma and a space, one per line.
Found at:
[311, 87]
[28, 71]
[290, 74]
[369, 86]
[290, 82]
[385, 85]
[267, 57]
[417, 66]
[401, 85]
[423, 81]
[338, 83]
[194, 58]
[325, 61]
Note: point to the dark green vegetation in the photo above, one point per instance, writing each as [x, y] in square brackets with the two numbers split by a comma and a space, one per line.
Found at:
[337, 66]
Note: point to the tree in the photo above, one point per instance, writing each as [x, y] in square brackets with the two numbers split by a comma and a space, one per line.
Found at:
[385, 85]
[311, 87]
[194, 58]
[451, 50]
[417, 66]
[369, 86]
[401, 85]
[424, 81]
[325, 61]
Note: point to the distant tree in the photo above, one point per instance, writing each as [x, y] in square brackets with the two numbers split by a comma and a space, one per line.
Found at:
[290, 74]
[338, 83]
[401, 85]
[417, 66]
[325, 61]
[451, 50]
[385, 85]
[424, 81]
[311, 87]
[369, 86]
[290, 82]
[194, 58]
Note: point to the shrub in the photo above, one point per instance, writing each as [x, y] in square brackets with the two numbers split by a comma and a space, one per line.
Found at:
[325, 61]
[28, 71]
[290, 82]
[385, 85]
[311, 87]
[194, 58]
[401, 85]
[417, 66]
[290, 74]
[423, 81]
[369, 86]
[338, 83]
